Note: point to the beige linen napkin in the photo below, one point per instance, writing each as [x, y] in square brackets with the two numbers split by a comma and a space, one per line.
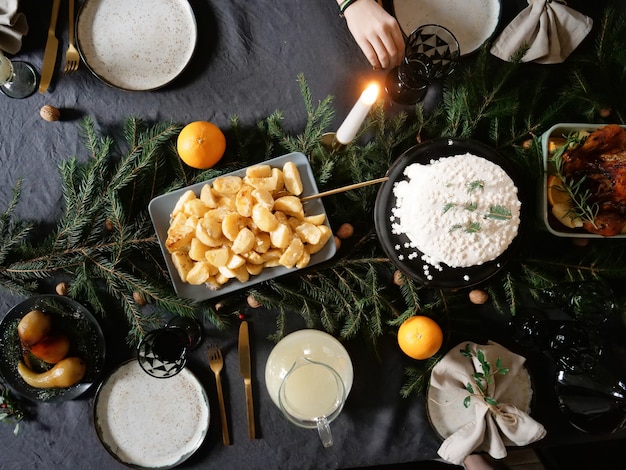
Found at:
[493, 426]
[13, 26]
[548, 28]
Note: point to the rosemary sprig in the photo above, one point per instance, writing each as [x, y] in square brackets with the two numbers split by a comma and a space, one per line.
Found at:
[581, 207]
[473, 227]
[470, 206]
[498, 212]
[482, 379]
[475, 185]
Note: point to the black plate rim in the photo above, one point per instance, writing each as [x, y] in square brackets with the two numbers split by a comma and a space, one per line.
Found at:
[422, 153]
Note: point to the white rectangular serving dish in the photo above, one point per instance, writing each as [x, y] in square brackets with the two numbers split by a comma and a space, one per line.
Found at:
[160, 209]
[551, 223]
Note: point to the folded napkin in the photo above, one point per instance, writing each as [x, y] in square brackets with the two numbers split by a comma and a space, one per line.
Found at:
[13, 26]
[493, 426]
[549, 29]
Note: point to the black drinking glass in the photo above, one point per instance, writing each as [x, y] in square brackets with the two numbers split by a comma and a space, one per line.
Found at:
[163, 352]
[431, 53]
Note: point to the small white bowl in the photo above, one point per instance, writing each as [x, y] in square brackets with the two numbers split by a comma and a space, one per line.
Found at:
[551, 223]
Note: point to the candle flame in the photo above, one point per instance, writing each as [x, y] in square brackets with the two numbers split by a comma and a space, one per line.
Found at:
[370, 94]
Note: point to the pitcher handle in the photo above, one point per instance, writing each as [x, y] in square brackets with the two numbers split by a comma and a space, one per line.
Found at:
[323, 429]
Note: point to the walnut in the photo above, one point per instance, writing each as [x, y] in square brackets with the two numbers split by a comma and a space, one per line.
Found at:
[50, 113]
[139, 298]
[61, 288]
[478, 296]
[398, 278]
[252, 302]
[345, 231]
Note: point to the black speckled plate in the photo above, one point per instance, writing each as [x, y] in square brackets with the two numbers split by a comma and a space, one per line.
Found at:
[394, 244]
[69, 317]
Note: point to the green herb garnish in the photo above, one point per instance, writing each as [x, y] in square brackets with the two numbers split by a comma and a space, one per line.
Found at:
[448, 206]
[10, 409]
[581, 207]
[473, 227]
[499, 212]
[471, 206]
[474, 185]
[482, 379]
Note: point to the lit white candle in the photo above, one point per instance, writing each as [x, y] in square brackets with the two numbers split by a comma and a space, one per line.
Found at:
[357, 115]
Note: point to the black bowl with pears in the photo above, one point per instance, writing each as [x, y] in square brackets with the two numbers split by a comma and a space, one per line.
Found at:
[51, 349]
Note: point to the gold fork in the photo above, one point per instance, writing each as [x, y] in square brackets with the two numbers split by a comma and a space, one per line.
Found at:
[72, 58]
[216, 363]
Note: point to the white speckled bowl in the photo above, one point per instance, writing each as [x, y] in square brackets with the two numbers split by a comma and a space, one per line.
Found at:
[136, 45]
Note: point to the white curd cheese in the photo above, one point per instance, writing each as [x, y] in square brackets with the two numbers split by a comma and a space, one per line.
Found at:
[460, 211]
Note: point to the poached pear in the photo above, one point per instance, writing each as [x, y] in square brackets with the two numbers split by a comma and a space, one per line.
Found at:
[52, 348]
[33, 327]
[65, 373]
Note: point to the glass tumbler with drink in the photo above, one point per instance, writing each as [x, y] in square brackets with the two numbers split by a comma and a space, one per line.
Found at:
[17, 79]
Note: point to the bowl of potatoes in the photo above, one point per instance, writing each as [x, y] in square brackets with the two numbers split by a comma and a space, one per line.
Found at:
[242, 228]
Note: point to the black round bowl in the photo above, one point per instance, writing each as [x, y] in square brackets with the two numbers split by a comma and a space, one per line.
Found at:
[69, 317]
[394, 245]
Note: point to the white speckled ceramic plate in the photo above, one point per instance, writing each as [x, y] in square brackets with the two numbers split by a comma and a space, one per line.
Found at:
[148, 422]
[136, 45]
[471, 21]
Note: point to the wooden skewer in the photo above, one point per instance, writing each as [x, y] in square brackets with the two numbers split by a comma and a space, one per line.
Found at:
[344, 188]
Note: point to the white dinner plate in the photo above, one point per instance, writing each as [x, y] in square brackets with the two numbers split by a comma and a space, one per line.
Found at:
[471, 21]
[161, 207]
[149, 422]
[136, 45]
[313, 344]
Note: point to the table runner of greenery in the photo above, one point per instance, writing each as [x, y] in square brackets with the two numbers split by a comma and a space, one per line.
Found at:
[105, 248]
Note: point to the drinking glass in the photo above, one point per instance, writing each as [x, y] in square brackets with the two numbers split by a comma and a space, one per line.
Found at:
[431, 53]
[163, 352]
[17, 79]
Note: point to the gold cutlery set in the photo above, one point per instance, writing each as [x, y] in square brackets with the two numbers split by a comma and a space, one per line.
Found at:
[216, 362]
[72, 58]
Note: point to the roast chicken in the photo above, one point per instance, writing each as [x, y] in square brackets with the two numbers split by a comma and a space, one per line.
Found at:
[600, 162]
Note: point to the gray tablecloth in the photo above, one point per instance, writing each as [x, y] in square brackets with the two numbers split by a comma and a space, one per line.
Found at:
[248, 57]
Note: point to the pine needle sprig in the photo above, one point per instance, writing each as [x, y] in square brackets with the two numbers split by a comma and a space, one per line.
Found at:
[13, 232]
[417, 378]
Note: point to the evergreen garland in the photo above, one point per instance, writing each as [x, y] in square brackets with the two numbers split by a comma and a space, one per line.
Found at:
[105, 247]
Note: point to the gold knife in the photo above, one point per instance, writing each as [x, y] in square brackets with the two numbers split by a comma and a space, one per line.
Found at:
[246, 372]
[50, 53]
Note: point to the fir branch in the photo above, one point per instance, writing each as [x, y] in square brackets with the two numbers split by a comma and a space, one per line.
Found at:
[417, 378]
